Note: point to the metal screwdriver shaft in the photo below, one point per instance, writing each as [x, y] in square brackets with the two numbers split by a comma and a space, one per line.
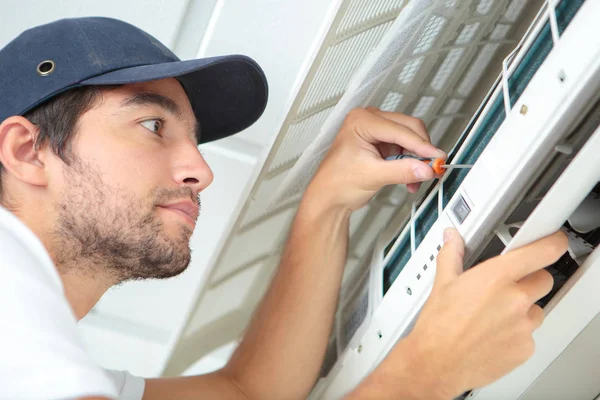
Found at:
[457, 166]
[436, 163]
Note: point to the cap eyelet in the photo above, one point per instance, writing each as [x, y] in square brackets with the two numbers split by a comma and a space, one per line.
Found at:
[45, 68]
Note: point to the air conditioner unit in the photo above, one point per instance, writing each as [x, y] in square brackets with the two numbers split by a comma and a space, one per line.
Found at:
[511, 87]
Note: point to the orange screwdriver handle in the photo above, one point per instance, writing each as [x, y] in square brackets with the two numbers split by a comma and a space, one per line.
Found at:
[437, 164]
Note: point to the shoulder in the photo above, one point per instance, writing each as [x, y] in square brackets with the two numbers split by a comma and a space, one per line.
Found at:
[22, 250]
[42, 356]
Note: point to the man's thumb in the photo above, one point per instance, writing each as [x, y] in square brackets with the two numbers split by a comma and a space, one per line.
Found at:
[401, 172]
[450, 258]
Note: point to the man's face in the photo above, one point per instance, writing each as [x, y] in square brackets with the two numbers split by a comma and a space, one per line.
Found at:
[129, 200]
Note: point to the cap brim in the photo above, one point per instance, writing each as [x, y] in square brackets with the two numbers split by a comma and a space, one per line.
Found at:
[227, 93]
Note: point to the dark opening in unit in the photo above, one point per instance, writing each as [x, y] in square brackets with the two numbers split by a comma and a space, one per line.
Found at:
[563, 269]
[566, 266]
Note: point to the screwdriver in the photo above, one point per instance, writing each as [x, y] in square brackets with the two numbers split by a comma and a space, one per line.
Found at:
[437, 164]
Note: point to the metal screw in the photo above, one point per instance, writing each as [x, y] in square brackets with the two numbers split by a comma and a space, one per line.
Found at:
[562, 76]
[409, 291]
[524, 109]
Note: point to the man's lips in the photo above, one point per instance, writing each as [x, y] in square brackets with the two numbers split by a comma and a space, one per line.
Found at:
[184, 208]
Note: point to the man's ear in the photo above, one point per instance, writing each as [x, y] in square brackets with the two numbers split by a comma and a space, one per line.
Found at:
[17, 151]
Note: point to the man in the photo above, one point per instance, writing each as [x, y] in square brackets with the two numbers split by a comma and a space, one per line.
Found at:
[100, 182]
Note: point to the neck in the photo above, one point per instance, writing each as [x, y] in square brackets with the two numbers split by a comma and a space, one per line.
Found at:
[82, 290]
[85, 277]
[84, 283]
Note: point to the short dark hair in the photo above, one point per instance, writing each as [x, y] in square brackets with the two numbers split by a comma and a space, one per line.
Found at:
[57, 121]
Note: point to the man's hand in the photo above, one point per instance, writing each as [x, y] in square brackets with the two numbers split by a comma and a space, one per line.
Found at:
[355, 167]
[476, 326]
[284, 346]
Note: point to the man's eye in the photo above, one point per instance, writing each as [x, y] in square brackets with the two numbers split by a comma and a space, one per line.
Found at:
[153, 125]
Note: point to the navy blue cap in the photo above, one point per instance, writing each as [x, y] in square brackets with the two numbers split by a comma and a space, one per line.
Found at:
[227, 93]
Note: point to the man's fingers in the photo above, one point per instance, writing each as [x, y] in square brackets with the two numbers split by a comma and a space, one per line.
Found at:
[537, 285]
[413, 187]
[536, 315]
[415, 124]
[450, 258]
[389, 149]
[535, 256]
[376, 129]
[401, 172]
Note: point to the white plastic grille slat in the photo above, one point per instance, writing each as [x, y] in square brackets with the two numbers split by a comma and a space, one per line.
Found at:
[514, 10]
[484, 6]
[441, 125]
[500, 32]
[477, 68]
[339, 64]
[423, 106]
[294, 191]
[354, 319]
[391, 102]
[362, 13]
[376, 224]
[230, 296]
[446, 69]
[453, 106]
[410, 70]
[298, 137]
[438, 128]
[260, 205]
[247, 248]
[467, 34]
[432, 30]
[357, 217]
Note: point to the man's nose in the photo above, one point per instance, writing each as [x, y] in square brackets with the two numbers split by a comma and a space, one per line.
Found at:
[191, 169]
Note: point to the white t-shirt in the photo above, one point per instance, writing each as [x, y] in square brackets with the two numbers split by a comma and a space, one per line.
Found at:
[41, 354]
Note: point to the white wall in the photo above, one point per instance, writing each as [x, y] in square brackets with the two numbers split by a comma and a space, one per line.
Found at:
[279, 35]
[159, 18]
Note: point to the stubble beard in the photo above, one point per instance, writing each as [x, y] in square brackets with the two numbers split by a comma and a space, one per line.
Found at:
[103, 229]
